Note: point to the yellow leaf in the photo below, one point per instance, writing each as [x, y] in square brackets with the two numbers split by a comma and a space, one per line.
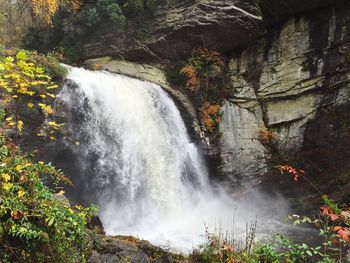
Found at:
[52, 87]
[75, 223]
[51, 95]
[20, 125]
[41, 162]
[30, 105]
[6, 177]
[46, 108]
[8, 119]
[52, 123]
[20, 193]
[19, 168]
[7, 186]
[43, 96]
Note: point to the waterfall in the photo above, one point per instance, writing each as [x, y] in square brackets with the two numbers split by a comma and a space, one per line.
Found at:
[136, 161]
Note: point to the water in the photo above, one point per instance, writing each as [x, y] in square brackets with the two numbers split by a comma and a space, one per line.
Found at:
[139, 166]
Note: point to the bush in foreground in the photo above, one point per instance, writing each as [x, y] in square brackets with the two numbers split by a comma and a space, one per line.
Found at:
[34, 225]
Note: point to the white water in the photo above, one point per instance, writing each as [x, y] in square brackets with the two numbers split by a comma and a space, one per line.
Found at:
[139, 165]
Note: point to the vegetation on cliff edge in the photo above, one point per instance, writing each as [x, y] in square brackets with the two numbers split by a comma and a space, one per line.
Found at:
[34, 225]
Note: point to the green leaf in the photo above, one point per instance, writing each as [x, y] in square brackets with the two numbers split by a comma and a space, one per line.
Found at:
[21, 55]
[51, 220]
[39, 70]
[4, 150]
[9, 59]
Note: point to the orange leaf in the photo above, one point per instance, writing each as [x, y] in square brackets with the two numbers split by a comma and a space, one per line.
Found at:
[336, 228]
[344, 234]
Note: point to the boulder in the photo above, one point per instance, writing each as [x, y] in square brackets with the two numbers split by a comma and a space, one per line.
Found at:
[119, 249]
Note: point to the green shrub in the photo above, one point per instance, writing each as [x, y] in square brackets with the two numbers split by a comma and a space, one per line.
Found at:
[34, 226]
[265, 253]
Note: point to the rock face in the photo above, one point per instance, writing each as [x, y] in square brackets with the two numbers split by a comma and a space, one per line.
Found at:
[176, 30]
[274, 10]
[294, 82]
[242, 154]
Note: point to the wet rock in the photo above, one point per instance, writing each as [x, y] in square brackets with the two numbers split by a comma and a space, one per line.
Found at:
[295, 82]
[62, 198]
[95, 223]
[242, 153]
[107, 249]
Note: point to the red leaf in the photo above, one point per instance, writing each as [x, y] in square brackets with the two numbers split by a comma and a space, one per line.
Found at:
[325, 210]
[335, 242]
[302, 171]
[292, 170]
[17, 215]
[334, 217]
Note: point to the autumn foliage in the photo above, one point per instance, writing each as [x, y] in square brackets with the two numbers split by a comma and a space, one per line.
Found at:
[199, 66]
[192, 82]
[296, 173]
[46, 9]
[22, 82]
[266, 136]
[201, 71]
[210, 116]
[339, 218]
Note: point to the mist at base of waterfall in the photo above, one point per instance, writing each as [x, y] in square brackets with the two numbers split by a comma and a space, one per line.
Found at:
[137, 163]
[215, 213]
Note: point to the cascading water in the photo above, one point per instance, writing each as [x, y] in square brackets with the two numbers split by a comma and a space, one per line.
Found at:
[137, 162]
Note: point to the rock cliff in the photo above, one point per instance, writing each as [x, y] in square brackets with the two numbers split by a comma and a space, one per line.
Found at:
[295, 83]
[175, 30]
[288, 72]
